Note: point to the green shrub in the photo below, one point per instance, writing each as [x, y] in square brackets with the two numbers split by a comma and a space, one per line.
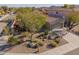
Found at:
[13, 41]
[53, 44]
[36, 42]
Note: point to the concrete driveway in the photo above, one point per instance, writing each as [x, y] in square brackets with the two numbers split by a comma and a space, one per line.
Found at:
[73, 43]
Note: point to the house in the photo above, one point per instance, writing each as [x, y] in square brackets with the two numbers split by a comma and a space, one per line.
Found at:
[53, 22]
[55, 17]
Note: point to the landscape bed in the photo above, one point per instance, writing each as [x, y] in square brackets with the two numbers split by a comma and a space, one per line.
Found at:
[21, 48]
[75, 30]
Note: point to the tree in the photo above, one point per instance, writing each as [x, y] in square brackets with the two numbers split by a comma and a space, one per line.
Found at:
[21, 14]
[73, 19]
[23, 10]
[66, 6]
[33, 20]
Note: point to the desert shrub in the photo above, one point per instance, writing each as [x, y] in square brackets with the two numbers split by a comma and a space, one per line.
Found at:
[40, 43]
[34, 40]
[13, 41]
[6, 31]
[35, 43]
[52, 44]
[57, 40]
[24, 34]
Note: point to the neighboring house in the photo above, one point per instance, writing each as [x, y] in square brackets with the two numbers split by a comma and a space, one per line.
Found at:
[56, 14]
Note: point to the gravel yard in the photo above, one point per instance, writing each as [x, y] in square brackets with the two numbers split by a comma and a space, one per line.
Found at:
[23, 49]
